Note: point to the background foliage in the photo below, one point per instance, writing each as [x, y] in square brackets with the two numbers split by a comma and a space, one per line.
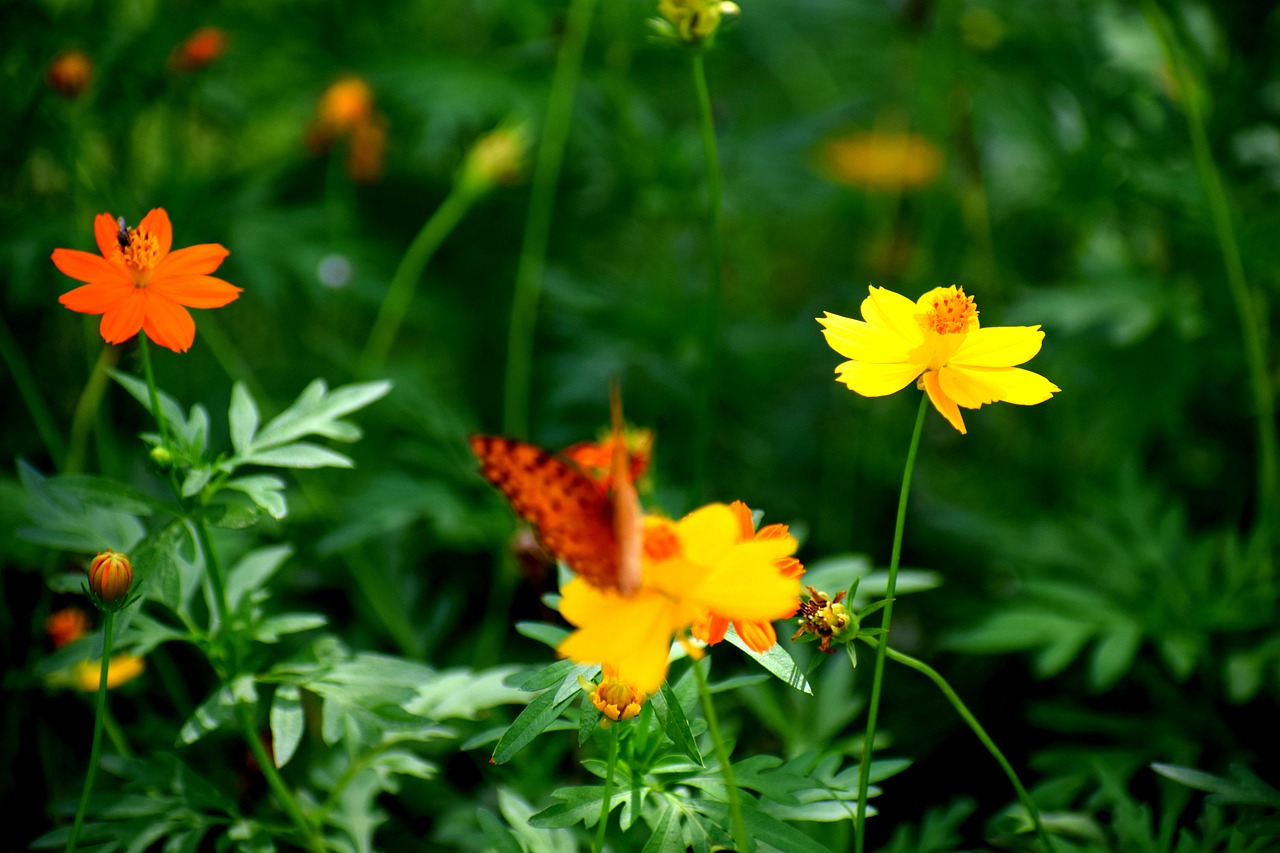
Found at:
[1108, 595]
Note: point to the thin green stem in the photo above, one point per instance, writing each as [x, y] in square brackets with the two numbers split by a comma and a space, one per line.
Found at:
[153, 392]
[409, 272]
[219, 582]
[608, 791]
[310, 838]
[873, 707]
[976, 727]
[740, 837]
[29, 391]
[537, 226]
[715, 278]
[87, 408]
[114, 733]
[100, 711]
[1247, 310]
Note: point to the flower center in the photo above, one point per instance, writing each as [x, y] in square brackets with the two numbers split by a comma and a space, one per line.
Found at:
[661, 542]
[950, 312]
[140, 252]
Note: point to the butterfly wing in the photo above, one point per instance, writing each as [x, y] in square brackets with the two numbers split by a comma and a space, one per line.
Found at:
[573, 517]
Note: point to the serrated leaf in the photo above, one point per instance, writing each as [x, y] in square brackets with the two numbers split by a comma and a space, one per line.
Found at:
[776, 660]
[242, 417]
[666, 837]
[666, 706]
[287, 723]
[578, 805]
[317, 407]
[253, 571]
[533, 720]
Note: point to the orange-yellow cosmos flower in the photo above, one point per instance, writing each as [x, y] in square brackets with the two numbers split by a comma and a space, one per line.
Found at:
[69, 73]
[138, 284]
[937, 341]
[882, 161]
[122, 669]
[688, 568]
[757, 634]
[199, 49]
[613, 697]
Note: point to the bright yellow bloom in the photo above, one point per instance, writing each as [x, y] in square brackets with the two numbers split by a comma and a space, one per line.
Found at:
[882, 161]
[123, 668]
[688, 568]
[936, 341]
[696, 20]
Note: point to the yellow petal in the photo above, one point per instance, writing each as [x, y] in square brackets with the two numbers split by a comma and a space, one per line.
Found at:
[971, 389]
[707, 534]
[876, 380]
[632, 634]
[746, 584]
[862, 341]
[1015, 385]
[999, 346]
[894, 312]
[944, 404]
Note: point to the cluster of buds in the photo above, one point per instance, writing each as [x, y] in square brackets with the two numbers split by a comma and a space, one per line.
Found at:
[614, 698]
[110, 576]
[824, 617]
[346, 113]
[693, 22]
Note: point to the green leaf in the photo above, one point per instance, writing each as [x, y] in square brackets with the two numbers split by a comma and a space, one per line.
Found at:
[499, 837]
[300, 454]
[287, 723]
[264, 490]
[543, 632]
[1113, 657]
[242, 418]
[578, 805]
[533, 720]
[271, 629]
[776, 660]
[464, 694]
[1243, 788]
[589, 717]
[138, 390]
[676, 725]
[66, 522]
[667, 836]
[315, 410]
[170, 577]
[100, 491]
[253, 571]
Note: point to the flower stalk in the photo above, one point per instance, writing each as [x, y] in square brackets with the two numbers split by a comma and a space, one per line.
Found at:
[873, 707]
[741, 840]
[537, 226]
[99, 715]
[608, 789]
[87, 408]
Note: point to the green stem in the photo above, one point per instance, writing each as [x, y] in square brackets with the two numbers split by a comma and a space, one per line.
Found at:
[219, 583]
[537, 226]
[976, 727]
[87, 408]
[715, 277]
[740, 837]
[115, 733]
[1251, 327]
[308, 833]
[153, 393]
[409, 272]
[30, 393]
[873, 707]
[608, 792]
[100, 710]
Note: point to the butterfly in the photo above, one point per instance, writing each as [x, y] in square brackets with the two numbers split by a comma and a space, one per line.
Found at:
[597, 532]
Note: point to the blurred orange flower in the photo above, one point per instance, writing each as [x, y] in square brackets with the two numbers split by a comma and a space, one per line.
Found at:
[882, 161]
[69, 73]
[199, 49]
[346, 112]
[66, 626]
[596, 457]
[138, 284]
[757, 634]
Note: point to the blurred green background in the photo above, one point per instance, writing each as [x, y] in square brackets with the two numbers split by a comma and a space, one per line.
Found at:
[1108, 592]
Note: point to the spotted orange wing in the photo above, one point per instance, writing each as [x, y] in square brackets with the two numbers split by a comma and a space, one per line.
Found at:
[573, 515]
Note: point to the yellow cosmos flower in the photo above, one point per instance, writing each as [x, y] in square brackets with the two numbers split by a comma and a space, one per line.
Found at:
[613, 697]
[938, 342]
[688, 568]
[882, 161]
[124, 668]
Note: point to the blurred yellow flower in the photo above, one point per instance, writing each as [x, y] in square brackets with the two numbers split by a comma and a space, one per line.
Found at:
[882, 161]
[123, 668]
[696, 20]
[689, 567]
[936, 341]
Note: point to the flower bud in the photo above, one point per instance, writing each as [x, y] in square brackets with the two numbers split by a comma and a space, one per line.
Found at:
[199, 49]
[161, 456]
[69, 73]
[498, 157]
[110, 576]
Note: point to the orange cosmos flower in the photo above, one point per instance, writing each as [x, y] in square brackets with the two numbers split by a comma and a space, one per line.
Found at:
[757, 634]
[66, 625]
[69, 73]
[199, 49]
[138, 284]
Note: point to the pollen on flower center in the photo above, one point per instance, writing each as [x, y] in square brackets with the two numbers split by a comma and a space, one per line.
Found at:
[950, 312]
[140, 252]
[661, 542]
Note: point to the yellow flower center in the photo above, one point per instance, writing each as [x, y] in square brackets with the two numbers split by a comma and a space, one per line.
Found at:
[139, 252]
[950, 312]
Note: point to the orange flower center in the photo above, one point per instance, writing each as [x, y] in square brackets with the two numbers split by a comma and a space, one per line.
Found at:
[950, 313]
[661, 542]
[139, 252]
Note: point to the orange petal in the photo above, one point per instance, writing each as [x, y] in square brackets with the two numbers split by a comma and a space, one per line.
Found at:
[106, 231]
[86, 266]
[759, 636]
[193, 260]
[195, 291]
[98, 297]
[711, 630]
[157, 222]
[125, 319]
[746, 524]
[944, 404]
[168, 323]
